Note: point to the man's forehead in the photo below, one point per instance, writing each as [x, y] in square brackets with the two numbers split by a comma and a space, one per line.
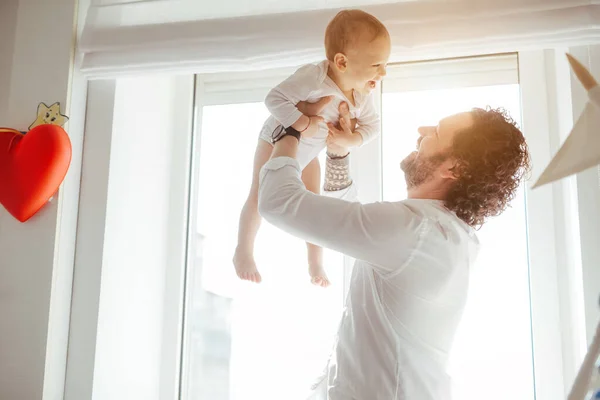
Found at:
[457, 121]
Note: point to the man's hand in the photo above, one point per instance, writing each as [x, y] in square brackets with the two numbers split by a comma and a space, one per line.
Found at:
[314, 124]
[313, 109]
[334, 147]
[309, 123]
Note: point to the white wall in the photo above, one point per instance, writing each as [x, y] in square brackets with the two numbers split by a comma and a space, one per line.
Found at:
[8, 22]
[36, 66]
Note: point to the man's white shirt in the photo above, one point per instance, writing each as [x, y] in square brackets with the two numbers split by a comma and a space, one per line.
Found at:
[408, 287]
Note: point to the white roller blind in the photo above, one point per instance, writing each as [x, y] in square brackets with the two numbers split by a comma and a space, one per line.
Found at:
[165, 35]
[494, 69]
[239, 87]
[498, 69]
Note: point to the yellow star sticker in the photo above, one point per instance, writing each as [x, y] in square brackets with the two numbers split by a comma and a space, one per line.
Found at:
[49, 115]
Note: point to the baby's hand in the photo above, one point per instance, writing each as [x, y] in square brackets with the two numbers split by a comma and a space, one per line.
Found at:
[343, 137]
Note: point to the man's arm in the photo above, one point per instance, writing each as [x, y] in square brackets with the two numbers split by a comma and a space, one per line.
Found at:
[371, 232]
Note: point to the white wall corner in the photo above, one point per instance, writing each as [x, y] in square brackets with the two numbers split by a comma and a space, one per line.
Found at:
[90, 240]
[66, 227]
[36, 66]
[8, 25]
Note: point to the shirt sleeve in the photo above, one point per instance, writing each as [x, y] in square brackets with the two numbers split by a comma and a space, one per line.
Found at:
[369, 123]
[348, 194]
[282, 99]
[378, 233]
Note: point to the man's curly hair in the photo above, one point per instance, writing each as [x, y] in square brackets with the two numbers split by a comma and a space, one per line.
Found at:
[492, 159]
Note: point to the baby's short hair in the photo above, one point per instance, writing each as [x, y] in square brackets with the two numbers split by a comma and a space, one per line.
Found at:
[347, 27]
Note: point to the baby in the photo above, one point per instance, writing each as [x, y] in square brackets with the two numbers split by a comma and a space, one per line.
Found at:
[357, 47]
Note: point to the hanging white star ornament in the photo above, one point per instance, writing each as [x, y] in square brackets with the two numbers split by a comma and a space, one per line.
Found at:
[581, 149]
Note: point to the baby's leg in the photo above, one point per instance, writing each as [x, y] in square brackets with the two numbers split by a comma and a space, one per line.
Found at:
[311, 176]
[250, 219]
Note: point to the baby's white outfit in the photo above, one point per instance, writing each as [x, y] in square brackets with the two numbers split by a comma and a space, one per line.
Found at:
[310, 83]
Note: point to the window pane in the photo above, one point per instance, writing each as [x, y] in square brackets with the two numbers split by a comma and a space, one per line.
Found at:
[493, 351]
[247, 341]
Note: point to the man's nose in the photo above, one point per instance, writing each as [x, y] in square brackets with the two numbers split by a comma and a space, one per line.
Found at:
[424, 130]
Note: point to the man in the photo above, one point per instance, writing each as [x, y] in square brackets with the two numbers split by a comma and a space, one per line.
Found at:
[410, 281]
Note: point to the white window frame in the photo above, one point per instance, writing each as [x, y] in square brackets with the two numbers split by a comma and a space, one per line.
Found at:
[527, 70]
[510, 68]
[557, 352]
[90, 252]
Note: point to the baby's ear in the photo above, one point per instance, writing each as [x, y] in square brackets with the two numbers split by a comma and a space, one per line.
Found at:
[340, 61]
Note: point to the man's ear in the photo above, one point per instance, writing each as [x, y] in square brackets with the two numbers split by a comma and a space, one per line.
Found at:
[448, 169]
[341, 62]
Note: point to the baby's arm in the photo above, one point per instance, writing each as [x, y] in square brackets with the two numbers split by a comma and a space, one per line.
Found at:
[369, 123]
[282, 99]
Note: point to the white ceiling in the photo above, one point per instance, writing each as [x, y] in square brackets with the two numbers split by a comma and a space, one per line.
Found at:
[181, 10]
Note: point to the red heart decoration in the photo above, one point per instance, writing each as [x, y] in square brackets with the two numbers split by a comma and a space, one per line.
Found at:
[32, 167]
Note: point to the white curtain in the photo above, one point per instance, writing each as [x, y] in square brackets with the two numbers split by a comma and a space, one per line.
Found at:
[184, 35]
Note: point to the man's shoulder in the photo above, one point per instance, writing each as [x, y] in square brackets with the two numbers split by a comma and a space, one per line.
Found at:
[425, 208]
[437, 213]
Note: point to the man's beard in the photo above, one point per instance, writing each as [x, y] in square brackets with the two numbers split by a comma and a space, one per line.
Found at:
[418, 171]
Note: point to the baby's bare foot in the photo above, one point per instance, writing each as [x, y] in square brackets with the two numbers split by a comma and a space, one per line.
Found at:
[245, 267]
[318, 277]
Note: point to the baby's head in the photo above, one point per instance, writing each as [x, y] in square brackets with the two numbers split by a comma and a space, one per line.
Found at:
[358, 47]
